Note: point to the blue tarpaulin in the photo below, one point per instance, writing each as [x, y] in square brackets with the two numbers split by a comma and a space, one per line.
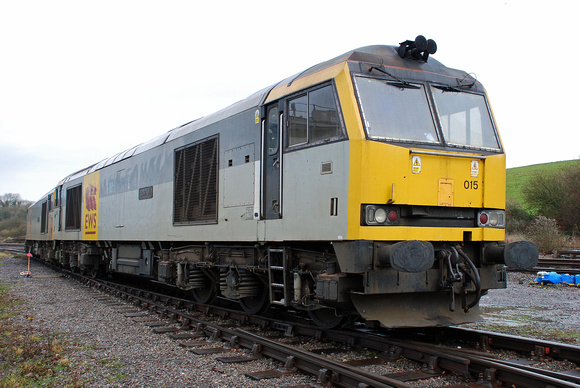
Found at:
[556, 278]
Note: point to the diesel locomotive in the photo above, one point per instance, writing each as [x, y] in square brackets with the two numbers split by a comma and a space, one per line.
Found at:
[369, 186]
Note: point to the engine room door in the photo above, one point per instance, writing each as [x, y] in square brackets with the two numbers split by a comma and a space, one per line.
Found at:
[272, 164]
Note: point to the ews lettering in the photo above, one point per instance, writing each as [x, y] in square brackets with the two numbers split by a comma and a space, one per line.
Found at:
[91, 221]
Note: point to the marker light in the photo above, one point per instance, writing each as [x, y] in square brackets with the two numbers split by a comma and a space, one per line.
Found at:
[483, 218]
[491, 218]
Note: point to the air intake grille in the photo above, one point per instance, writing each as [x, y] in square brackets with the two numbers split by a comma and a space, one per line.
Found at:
[195, 190]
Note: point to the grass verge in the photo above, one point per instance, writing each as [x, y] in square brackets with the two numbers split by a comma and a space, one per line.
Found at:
[30, 357]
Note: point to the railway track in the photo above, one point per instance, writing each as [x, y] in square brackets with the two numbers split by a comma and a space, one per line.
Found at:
[16, 248]
[568, 252]
[559, 264]
[193, 325]
[182, 321]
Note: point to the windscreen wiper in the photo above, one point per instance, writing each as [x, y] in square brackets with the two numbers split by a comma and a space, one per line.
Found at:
[403, 85]
[447, 88]
[399, 83]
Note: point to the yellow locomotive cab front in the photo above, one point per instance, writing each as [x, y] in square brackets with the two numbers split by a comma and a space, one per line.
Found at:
[426, 210]
[423, 181]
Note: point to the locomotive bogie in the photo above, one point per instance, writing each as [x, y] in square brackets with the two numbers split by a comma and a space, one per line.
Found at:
[371, 184]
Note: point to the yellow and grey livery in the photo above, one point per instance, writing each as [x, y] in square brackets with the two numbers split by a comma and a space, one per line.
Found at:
[371, 185]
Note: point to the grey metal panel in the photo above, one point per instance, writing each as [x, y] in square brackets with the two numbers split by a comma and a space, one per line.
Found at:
[152, 218]
[120, 156]
[238, 180]
[131, 259]
[310, 184]
[112, 159]
[238, 185]
[78, 174]
[33, 225]
[151, 144]
[308, 193]
[251, 102]
[146, 169]
[129, 152]
[96, 166]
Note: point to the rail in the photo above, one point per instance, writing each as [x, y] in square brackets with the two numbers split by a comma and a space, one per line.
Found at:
[435, 357]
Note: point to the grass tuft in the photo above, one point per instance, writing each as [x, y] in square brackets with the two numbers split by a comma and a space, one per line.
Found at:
[30, 357]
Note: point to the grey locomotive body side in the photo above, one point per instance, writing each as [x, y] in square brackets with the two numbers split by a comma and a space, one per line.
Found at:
[301, 196]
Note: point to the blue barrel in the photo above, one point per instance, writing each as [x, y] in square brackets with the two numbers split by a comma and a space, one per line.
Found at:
[577, 280]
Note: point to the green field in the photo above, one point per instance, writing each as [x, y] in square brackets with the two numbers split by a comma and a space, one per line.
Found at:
[517, 177]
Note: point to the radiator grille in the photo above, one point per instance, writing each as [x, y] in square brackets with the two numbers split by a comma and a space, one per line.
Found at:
[195, 191]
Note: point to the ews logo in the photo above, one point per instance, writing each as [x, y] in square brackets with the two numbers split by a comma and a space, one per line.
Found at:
[91, 207]
[90, 200]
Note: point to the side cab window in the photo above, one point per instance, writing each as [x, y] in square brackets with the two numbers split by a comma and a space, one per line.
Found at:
[314, 118]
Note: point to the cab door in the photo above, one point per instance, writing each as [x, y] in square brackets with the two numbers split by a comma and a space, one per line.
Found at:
[272, 165]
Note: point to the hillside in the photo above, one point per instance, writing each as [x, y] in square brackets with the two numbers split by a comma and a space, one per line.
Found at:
[517, 177]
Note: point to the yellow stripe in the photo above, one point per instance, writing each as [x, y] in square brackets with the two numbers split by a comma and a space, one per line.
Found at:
[400, 233]
[306, 81]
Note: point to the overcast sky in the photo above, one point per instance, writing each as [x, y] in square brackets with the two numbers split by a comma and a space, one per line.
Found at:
[81, 81]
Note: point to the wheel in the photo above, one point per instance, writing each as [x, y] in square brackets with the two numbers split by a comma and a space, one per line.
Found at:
[327, 318]
[257, 304]
[205, 295]
[206, 288]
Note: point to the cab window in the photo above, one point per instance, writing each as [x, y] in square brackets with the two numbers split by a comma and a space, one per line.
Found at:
[313, 118]
[273, 131]
[465, 119]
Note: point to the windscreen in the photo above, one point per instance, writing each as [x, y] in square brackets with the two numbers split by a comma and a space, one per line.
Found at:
[400, 111]
[395, 111]
[465, 120]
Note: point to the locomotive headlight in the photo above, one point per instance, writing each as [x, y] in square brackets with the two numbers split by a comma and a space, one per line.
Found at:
[491, 219]
[380, 215]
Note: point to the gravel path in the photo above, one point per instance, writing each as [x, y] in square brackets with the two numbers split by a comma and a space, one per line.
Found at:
[111, 350]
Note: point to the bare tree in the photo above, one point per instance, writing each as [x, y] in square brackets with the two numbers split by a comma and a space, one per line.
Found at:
[10, 199]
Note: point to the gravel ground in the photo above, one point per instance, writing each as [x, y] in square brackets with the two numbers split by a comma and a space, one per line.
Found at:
[547, 312]
[112, 350]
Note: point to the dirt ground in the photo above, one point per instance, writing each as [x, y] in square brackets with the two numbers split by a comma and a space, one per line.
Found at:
[550, 312]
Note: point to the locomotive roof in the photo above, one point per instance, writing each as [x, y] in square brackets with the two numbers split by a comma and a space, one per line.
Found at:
[381, 54]
[377, 54]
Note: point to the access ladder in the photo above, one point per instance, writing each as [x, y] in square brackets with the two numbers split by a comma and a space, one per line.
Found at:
[278, 276]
